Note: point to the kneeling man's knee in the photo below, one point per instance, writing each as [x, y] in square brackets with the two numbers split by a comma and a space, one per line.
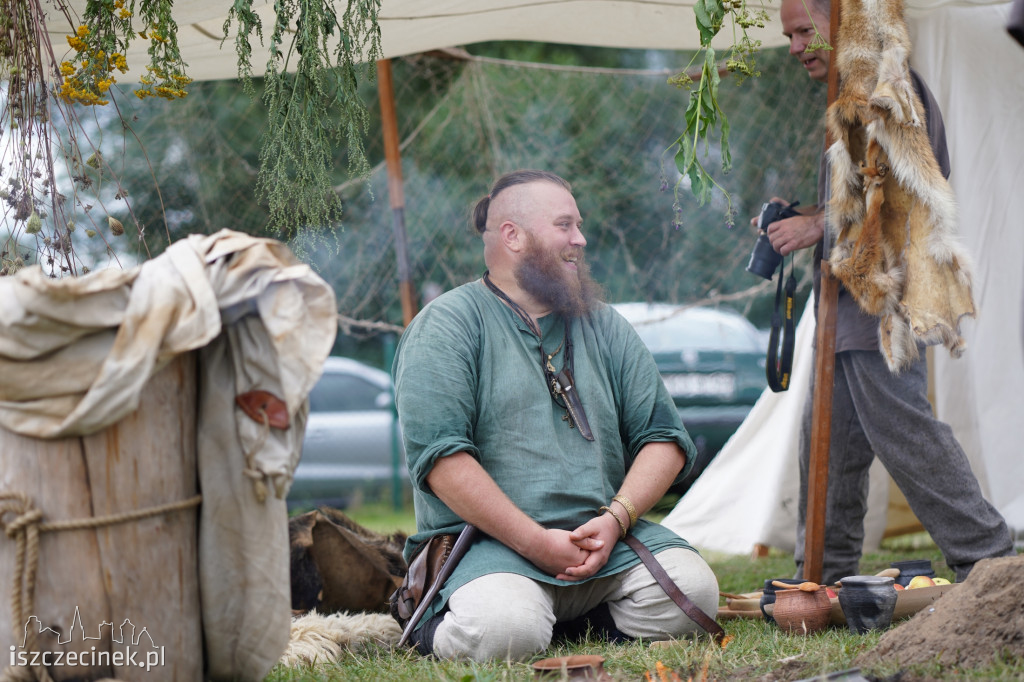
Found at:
[645, 610]
[495, 618]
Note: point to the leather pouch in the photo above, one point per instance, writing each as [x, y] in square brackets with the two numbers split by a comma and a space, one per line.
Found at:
[423, 569]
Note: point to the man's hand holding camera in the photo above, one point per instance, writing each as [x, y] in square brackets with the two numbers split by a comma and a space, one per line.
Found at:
[798, 232]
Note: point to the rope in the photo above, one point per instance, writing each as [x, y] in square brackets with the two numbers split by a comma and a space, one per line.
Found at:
[24, 528]
[250, 470]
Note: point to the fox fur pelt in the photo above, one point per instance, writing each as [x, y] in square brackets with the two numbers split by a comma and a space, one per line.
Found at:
[892, 213]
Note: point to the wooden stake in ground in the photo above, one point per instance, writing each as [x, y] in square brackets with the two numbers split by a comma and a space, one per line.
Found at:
[824, 375]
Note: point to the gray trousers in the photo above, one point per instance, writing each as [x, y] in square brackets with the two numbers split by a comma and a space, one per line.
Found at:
[878, 414]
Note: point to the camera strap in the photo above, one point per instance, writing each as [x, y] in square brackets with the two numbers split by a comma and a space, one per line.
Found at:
[779, 369]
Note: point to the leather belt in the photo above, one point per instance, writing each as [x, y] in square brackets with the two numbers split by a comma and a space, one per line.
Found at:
[672, 590]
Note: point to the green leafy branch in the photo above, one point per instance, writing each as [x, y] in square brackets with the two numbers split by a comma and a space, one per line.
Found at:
[703, 113]
[312, 109]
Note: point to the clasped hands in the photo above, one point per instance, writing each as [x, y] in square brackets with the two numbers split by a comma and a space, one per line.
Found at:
[577, 554]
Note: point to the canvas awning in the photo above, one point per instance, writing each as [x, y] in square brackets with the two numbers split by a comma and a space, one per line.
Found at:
[413, 26]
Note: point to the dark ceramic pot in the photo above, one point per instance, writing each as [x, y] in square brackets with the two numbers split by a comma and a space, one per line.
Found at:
[867, 601]
[911, 568]
[768, 596]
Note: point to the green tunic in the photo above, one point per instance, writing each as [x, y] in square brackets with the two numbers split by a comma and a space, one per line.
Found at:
[468, 378]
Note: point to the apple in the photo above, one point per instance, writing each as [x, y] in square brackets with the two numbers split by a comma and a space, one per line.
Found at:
[920, 581]
[899, 587]
[831, 593]
[940, 581]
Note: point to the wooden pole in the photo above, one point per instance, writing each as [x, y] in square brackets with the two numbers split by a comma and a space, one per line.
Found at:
[396, 194]
[824, 372]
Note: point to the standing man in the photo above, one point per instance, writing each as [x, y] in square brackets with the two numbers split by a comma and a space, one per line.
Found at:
[534, 412]
[876, 413]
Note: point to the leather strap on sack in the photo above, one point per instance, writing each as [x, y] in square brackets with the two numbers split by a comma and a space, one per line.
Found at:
[672, 590]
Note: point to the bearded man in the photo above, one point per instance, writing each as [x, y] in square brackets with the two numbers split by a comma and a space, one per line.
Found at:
[533, 411]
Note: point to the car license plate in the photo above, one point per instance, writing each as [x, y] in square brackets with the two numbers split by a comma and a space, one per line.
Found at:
[717, 384]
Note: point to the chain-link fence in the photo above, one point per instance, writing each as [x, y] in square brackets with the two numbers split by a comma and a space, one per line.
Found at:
[462, 122]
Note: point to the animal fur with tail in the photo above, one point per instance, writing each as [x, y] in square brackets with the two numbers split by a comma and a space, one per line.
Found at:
[892, 212]
[317, 638]
[341, 575]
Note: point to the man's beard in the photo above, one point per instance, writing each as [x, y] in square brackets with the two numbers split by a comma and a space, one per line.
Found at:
[543, 276]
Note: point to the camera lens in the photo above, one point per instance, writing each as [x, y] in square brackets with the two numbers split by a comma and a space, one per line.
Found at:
[763, 259]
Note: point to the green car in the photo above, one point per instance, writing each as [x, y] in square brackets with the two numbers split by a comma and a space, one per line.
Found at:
[713, 364]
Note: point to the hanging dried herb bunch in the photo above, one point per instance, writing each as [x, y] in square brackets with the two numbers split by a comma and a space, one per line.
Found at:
[28, 191]
[310, 91]
[42, 129]
[101, 41]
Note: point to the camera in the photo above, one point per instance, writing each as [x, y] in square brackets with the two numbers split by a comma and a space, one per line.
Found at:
[764, 259]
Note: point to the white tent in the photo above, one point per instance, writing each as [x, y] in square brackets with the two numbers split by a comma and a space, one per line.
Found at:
[748, 495]
[977, 73]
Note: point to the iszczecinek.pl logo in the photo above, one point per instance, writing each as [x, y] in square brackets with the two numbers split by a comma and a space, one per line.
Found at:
[115, 646]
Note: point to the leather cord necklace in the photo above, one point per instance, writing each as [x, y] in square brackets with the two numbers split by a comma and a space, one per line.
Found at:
[560, 384]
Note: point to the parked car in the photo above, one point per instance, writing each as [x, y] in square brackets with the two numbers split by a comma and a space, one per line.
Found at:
[352, 444]
[712, 362]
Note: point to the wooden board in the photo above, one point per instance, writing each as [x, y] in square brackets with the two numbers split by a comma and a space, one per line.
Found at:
[730, 614]
[141, 575]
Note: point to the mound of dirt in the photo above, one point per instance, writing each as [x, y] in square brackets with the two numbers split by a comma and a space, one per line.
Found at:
[973, 625]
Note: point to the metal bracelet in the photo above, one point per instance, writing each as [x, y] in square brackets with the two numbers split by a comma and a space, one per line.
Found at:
[622, 526]
[630, 509]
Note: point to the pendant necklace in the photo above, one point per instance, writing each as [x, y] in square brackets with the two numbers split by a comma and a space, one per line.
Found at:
[561, 384]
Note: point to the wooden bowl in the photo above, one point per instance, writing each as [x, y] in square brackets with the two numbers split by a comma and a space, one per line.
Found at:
[580, 667]
[910, 602]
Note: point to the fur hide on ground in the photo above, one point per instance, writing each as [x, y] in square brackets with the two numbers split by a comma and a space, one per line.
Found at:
[337, 565]
[316, 638]
[892, 213]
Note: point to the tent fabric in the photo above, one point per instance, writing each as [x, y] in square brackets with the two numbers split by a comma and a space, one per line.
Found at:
[749, 494]
[981, 94]
[76, 353]
[414, 26]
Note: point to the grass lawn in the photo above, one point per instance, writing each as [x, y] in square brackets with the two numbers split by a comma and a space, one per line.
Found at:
[757, 651]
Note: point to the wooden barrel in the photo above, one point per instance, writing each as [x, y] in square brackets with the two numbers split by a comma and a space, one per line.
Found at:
[121, 600]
